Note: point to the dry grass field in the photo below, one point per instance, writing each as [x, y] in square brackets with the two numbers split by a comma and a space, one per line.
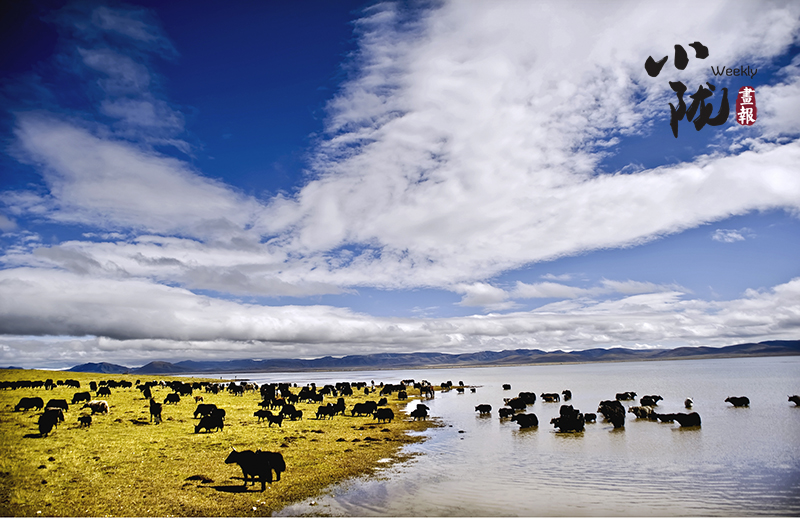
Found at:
[124, 465]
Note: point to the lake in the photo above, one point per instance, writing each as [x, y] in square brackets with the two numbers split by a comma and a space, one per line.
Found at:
[741, 462]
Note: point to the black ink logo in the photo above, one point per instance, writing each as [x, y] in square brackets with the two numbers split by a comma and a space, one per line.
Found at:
[699, 104]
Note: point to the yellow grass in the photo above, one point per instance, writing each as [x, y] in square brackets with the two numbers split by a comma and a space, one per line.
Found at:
[122, 465]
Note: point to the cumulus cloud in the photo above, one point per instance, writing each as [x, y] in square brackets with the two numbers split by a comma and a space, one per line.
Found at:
[472, 150]
[177, 324]
[732, 235]
[114, 184]
[461, 147]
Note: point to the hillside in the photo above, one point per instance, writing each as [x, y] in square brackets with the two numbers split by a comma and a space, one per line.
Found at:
[432, 360]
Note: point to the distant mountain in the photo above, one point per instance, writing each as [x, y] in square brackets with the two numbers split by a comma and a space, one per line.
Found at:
[442, 360]
[100, 367]
[160, 367]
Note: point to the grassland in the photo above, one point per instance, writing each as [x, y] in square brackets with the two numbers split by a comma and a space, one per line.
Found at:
[122, 465]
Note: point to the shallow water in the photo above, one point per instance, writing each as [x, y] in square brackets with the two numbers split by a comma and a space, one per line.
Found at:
[742, 461]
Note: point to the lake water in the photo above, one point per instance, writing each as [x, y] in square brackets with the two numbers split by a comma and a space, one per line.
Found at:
[741, 462]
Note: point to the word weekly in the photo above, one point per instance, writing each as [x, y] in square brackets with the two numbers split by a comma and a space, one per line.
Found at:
[742, 71]
[699, 104]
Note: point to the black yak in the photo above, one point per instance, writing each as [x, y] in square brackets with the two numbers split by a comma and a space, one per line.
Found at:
[738, 401]
[259, 463]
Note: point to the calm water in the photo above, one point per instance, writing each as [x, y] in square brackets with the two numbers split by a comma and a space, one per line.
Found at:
[742, 461]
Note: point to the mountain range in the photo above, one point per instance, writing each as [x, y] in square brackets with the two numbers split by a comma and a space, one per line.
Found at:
[447, 360]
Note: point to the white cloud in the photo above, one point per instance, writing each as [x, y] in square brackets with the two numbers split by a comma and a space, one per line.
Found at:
[7, 224]
[559, 277]
[483, 294]
[470, 151]
[548, 290]
[462, 147]
[145, 320]
[732, 235]
[116, 185]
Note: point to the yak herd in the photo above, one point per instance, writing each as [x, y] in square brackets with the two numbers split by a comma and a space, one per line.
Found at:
[613, 411]
[278, 403]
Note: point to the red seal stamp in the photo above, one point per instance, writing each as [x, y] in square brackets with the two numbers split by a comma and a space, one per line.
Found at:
[746, 111]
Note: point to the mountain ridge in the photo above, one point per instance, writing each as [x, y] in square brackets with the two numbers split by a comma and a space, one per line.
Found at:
[418, 360]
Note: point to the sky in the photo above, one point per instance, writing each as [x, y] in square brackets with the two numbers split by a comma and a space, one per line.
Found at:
[204, 180]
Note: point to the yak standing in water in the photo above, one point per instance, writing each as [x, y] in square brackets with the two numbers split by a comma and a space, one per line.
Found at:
[738, 401]
[687, 420]
[613, 411]
[569, 420]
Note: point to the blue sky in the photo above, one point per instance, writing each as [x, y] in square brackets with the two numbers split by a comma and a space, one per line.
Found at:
[297, 179]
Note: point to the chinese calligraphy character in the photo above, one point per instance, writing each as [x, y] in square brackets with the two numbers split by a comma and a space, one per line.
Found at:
[698, 103]
[654, 67]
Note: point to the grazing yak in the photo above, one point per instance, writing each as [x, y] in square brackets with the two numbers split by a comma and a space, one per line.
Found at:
[54, 414]
[259, 463]
[525, 420]
[483, 408]
[326, 411]
[506, 387]
[104, 391]
[383, 414]
[97, 406]
[613, 411]
[567, 395]
[58, 402]
[339, 407]
[627, 395]
[278, 419]
[589, 417]
[650, 400]
[155, 411]
[293, 414]
[213, 421]
[527, 397]
[687, 420]
[81, 397]
[738, 401]
[204, 409]
[262, 414]
[172, 398]
[795, 399]
[47, 421]
[551, 397]
[506, 412]
[85, 420]
[364, 408]
[287, 410]
[402, 395]
[27, 403]
[569, 420]
[421, 412]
